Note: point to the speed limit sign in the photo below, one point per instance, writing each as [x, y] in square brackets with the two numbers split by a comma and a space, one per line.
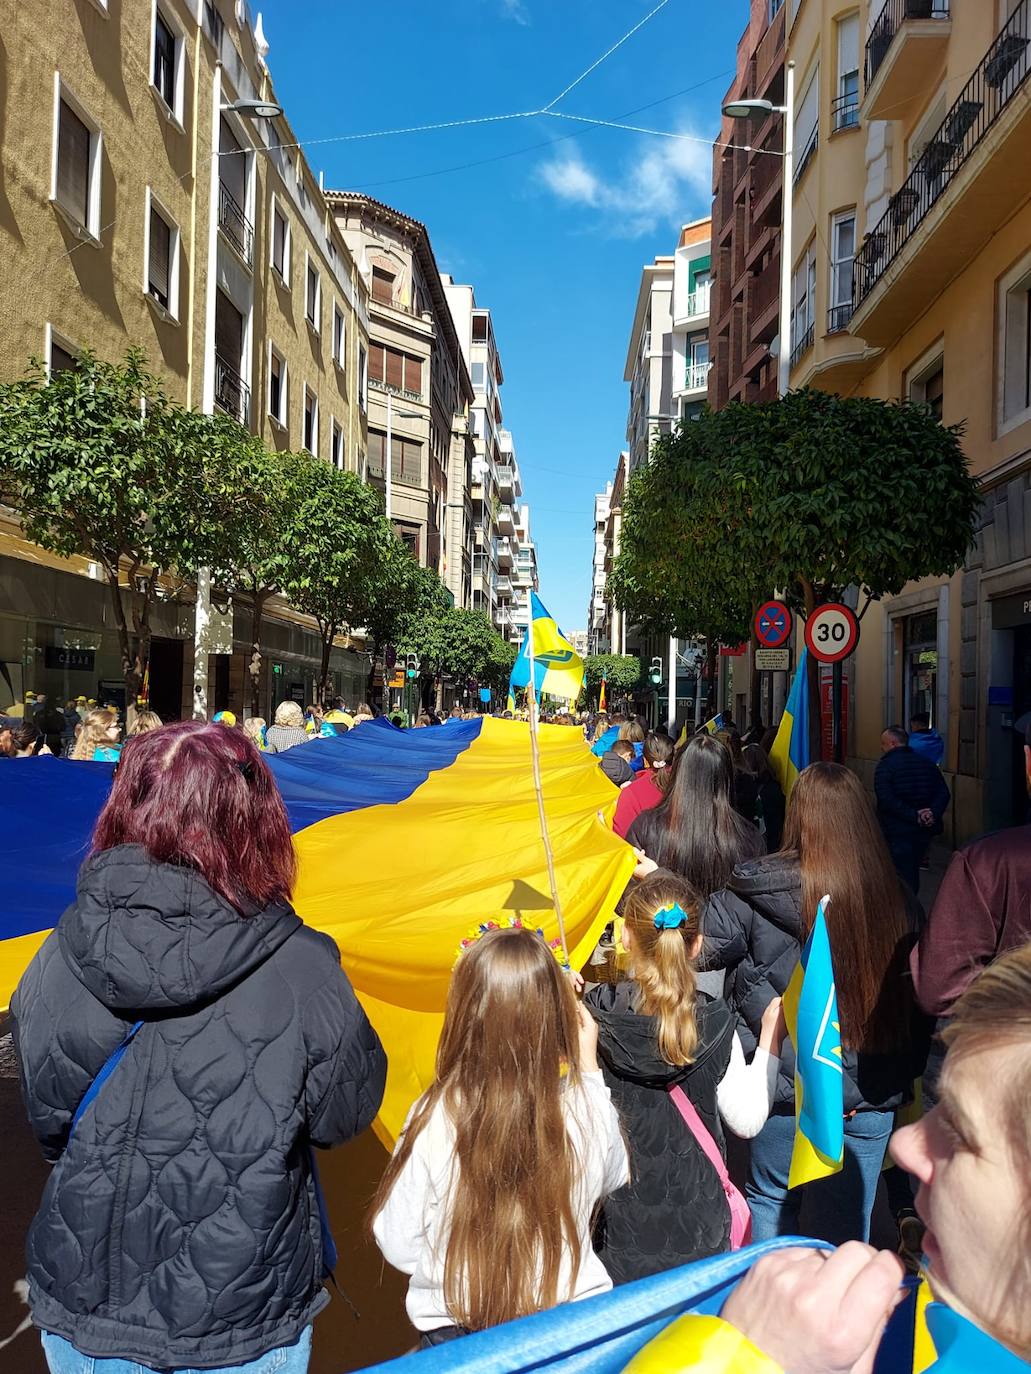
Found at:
[831, 632]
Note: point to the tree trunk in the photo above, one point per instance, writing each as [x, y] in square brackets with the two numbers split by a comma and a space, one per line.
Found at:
[141, 620]
[255, 664]
[813, 680]
[370, 684]
[328, 633]
[129, 674]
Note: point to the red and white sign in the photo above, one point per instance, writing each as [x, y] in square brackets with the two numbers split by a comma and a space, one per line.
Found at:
[773, 625]
[831, 632]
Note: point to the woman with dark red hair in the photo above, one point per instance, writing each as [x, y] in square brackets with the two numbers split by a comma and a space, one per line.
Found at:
[181, 1225]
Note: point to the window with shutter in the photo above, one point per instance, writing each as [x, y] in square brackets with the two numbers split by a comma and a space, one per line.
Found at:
[311, 422]
[232, 165]
[338, 335]
[376, 362]
[807, 124]
[60, 359]
[413, 374]
[160, 266]
[395, 368]
[277, 388]
[74, 145]
[312, 297]
[382, 286]
[164, 61]
[480, 328]
[336, 446]
[228, 332]
[279, 242]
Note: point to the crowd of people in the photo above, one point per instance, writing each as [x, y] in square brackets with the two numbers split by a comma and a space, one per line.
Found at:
[575, 1135]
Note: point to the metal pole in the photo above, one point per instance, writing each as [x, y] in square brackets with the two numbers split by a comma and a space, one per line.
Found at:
[671, 705]
[836, 739]
[388, 462]
[535, 752]
[787, 217]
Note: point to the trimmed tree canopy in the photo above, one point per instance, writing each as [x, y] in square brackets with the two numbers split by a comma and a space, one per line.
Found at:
[622, 674]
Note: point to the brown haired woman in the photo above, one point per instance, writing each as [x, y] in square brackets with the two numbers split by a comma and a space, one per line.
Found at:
[756, 929]
[488, 1200]
[657, 1033]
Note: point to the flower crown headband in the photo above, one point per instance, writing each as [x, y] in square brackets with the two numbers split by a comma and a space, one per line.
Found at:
[511, 923]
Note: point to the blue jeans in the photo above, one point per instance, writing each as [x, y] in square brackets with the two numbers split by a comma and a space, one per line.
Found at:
[838, 1208]
[63, 1358]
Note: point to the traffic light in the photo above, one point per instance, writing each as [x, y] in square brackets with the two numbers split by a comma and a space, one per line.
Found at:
[412, 665]
[655, 672]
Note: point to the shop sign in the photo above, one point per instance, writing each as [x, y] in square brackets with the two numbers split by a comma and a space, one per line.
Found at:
[71, 660]
[772, 660]
[1010, 612]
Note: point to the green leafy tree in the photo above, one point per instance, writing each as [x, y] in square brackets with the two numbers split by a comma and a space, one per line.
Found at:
[463, 643]
[497, 671]
[341, 542]
[622, 674]
[406, 599]
[99, 462]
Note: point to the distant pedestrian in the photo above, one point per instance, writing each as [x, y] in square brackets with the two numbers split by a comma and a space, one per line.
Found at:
[648, 788]
[616, 763]
[770, 803]
[72, 721]
[924, 740]
[254, 729]
[489, 1198]
[50, 722]
[634, 732]
[746, 785]
[27, 742]
[145, 721]
[288, 729]
[99, 738]
[912, 797]
[363, 713]
[244, 1045]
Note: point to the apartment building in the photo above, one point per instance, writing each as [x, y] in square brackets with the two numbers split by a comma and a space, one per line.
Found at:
[615, 629]
[156, 197]
[496, 481]
[597, 611]
[418, 383]
[525, 577]
[692, 284]
[746, 218]
[920, 167]
[649, 362]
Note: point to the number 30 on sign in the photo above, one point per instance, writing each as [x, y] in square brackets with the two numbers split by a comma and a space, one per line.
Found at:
[831, 632]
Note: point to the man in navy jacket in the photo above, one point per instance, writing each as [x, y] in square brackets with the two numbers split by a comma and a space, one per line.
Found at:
[912, 797]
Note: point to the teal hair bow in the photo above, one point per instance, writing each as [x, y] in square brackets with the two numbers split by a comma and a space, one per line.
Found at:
[670, 917]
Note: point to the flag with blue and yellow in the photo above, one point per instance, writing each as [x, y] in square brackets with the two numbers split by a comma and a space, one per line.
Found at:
[790, 753]
[558, 669]
[405, 841]
[811, 1013]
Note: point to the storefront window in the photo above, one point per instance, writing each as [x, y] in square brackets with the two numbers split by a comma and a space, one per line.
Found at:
[920, 640]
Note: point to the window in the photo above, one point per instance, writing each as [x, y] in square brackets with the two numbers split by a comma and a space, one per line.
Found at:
[807, 124]
[479, 380]
[313, 297]
[382, 286]
[277, 386]
[311, 421]
[406, 457]
[336, 446]
[166, 68]
[396, 370]
[61, 355]
[846, 106]
[920, 652]
[480, 328]
[925, 381]
[803, 309]
[409, 537]
[339, 335]
[76, 176]
[280, 243]
[1015, 325]
[843, 250]
[363, 378]
[698, 364]
[162, 284]
[775, 6]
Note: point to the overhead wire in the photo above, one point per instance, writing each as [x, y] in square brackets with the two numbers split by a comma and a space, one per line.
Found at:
[595, 65]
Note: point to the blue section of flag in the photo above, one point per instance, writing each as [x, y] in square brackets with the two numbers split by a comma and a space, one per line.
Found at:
[811, 1011]
[790, 752]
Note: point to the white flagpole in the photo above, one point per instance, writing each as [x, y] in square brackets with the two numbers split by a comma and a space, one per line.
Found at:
[535, 751]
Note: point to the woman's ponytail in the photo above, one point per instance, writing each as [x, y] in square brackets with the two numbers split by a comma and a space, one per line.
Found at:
[663, 916]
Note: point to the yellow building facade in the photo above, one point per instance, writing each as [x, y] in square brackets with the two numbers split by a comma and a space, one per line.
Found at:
[154, 194]
[912, 279]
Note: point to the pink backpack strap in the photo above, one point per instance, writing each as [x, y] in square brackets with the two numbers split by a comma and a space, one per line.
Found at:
[740, 1217]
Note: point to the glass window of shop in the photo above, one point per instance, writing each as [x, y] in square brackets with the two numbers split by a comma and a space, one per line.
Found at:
[920, 666]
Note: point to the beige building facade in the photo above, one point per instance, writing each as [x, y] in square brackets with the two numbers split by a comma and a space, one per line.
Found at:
[920, 173]
[157, 197]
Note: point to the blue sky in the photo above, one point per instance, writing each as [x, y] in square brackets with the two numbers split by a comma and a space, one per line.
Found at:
[553, 237]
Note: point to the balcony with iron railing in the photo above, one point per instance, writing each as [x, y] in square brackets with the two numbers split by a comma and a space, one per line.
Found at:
[232, 394]
[905, 48]
[234, 224]
[696, 376]
[845, 111]
[802, 346]
[807, 153]
[972, 175]
[376, 385]
[838, 317]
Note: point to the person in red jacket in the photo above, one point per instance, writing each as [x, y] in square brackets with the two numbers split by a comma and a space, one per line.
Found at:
[649, 787]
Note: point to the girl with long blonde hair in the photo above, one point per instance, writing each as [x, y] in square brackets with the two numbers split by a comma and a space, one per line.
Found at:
[98, 738]
[662, 1041]
[488, 1200]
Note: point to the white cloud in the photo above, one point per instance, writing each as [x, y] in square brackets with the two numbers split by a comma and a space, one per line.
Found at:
[515, 9]
[668, 181]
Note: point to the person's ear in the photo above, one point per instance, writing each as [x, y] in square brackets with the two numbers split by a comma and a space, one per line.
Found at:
[696, 947]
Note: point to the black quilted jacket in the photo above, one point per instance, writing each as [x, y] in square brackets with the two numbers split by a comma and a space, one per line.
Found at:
[180, 1224]
[673, 1209]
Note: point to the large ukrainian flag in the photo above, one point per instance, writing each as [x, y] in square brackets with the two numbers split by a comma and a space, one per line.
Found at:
[558, 668]
[790, 752]
[405, 840]
[811, 1013]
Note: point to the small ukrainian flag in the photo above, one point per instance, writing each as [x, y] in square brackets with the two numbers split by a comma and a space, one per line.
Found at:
[811, 1013]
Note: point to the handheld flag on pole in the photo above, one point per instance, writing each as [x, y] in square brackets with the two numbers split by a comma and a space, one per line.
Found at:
[710, 726]
[790, 752]
[811, 1013]
[551, 663]
[601, 695]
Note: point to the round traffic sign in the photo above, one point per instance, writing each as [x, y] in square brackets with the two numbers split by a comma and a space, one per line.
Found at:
[831, 632]
[773, 625]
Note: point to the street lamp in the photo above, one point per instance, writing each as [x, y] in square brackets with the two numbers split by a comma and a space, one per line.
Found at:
[388, 460]
[749, 109]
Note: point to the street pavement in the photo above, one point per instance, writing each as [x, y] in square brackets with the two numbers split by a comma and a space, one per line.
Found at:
[343, 1341]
